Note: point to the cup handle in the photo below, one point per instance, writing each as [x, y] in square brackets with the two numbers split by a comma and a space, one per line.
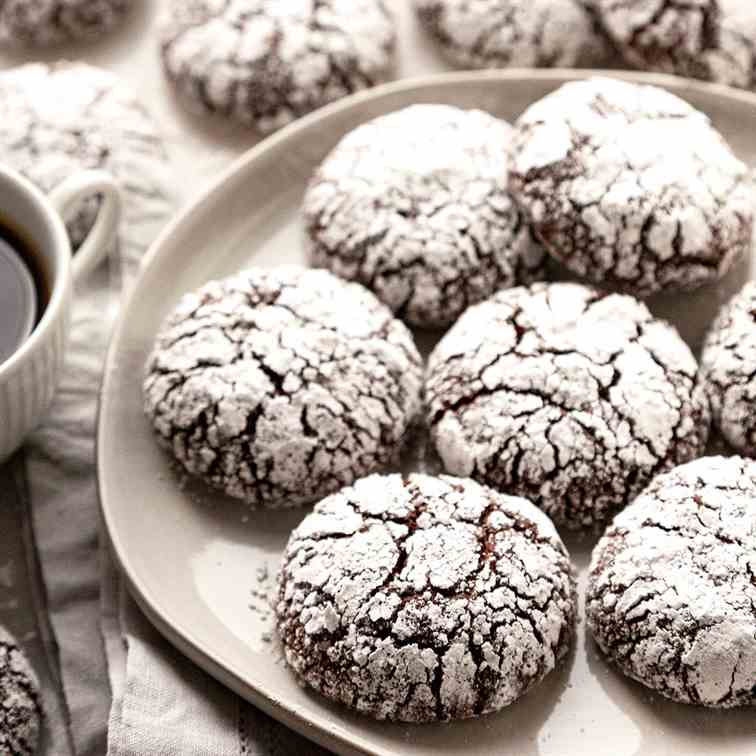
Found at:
[97, 245]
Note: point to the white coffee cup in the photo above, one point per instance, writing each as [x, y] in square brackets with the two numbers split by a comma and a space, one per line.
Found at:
[29, 377]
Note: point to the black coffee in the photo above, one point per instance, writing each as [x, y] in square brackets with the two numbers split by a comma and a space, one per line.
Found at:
[23, 294]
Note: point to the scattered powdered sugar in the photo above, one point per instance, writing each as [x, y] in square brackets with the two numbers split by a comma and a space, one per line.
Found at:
[672, 587]
[267, 62]
[629, 185]
[20, 704]
[262, 600]
[567, 396]
[281, 385]
[50, 22]
[415, 206]
[713, 40]
[419, 598]
[728, 370]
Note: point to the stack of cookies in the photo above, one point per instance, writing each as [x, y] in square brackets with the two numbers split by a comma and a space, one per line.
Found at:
[423, 597]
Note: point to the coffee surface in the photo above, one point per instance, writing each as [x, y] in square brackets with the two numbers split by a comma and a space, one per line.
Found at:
[19, 299]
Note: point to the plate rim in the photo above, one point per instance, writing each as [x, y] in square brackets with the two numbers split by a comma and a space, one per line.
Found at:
[182, 639]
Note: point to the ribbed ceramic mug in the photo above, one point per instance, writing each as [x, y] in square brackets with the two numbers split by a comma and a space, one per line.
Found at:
[29, 377]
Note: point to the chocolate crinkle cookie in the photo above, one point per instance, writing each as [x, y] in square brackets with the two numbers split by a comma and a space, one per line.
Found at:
[630, 186]
[20, 700]
[38, 23]
[728, 370]
[565, 395]
[414, 205]
[62, 118]
[671, 594]
[266, 62]
[516, 33]
[421, 599]
[713, 40]
[279, 386]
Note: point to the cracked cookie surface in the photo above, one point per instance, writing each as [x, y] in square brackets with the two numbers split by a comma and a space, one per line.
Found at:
[421, 599]
[20, 700]
[516, 33]
[713, 40]
[38, 23]
[671, 595]
[280, 385]
[266, 62]
[414, 205]
[728, 370]
[565, 395]
[630, 186]
[59, 119]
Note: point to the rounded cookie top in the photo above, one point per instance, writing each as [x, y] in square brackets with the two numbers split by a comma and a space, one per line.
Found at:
[266, 62]
[20, 701]
[59, 119]
[714, 40]
[629, 185]
[516, 33]
[279, 386]
[414, 205]
[565, 395]
[728, 370]
[50, 22]
[421, 599]
[671, 589]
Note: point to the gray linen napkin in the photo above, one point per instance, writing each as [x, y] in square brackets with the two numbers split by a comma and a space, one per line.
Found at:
[61, 469]
[162, 704]
[157, 702]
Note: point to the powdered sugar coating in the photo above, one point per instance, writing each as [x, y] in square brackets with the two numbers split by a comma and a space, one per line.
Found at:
[20, 706]
[50, 22]
[516, 33]
[672, 587]
[629, 185]
[422, 599]
[266, 62]
[414, 205]
[281, 385]
[59, 119]
[728, 370]
[567, 396]
[714, 40]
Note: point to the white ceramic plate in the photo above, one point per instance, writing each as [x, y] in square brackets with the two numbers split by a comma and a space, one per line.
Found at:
[197, 563]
